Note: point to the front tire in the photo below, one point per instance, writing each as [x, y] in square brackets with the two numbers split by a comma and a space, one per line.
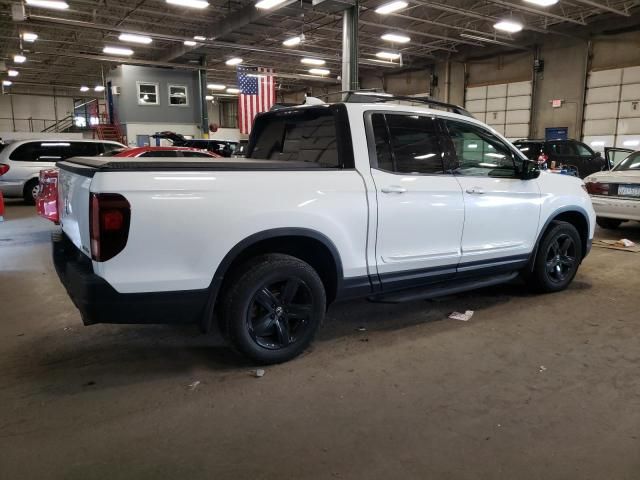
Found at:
[30, 192]
[557, 259]
[608, 223]
[273, 308]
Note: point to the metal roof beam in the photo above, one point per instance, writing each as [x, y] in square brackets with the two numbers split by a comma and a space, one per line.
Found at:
[536, 11]
[602, 6]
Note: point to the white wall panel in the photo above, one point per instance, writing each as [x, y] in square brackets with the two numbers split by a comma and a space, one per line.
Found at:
[495, 91]
[599, 111]
[604, 78]
[496, 118]
[598, 142]
[599, 127]
[518, 88]
[629, 110]
[476, 106]
[516, 131]
[476, 93]
[496, 104]
[628, 126]
[603, 94]
[631, 75]
[630, 91]
[518, 116]
[519, 103]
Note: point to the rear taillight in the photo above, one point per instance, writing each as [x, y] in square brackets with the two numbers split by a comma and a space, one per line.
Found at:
[596, 188]
[3, 169]
[109, 218]
[47, 200]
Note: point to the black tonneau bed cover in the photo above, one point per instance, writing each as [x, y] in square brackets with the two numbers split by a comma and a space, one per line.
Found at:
[89, 166]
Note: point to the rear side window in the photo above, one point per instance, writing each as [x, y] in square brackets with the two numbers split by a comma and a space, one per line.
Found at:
[308, 136]
[83, 149]
[41, 152]
[407, 143]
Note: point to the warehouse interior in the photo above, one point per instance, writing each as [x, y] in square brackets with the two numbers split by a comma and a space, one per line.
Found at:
[529, 386]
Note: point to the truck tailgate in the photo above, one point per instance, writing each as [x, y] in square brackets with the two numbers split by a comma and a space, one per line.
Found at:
[73, 190]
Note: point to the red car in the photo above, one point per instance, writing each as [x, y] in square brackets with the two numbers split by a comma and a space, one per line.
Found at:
[47, 200]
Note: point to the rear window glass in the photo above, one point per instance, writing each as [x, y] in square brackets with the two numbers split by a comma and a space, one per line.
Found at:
[307, 136]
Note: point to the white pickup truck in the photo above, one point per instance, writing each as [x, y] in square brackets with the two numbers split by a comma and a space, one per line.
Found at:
[369, 198]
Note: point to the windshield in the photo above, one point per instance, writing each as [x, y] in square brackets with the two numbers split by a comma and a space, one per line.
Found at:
[632, 162]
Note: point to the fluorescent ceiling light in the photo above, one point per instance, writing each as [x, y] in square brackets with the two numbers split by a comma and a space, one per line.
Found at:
[209, 97]
[290, 42]
[391, 7]
[189, 3]
[542, 3]
[267, 4]
[395, 38]
[56, 5]
[98, 88]
[508, 26]
[200, 38]
[7, 83]
[388, 55]
[216, 86]
[319, 71]
[29, 37]
[190, 43]
[84, 88]
[233, 90]
[13, 73]
[117, 51]
[129, 37]
[312, 61]
[234, 61]
[19, 58]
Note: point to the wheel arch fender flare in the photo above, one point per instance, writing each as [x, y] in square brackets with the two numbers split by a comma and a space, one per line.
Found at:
[555, 216]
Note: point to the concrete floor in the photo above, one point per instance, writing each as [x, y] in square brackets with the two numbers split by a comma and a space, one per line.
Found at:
[533, 387]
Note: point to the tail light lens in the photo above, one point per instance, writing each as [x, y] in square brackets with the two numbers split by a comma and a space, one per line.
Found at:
[109, 217]
[47, 201]
[596, 188]
[3, 169]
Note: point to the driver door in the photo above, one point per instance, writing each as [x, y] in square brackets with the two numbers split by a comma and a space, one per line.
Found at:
[502, 211]
[614, 156]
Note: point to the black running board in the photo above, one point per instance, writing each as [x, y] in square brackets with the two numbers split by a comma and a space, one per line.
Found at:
[441, 290]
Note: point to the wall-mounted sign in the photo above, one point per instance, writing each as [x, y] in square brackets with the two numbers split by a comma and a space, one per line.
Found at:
[556, 103]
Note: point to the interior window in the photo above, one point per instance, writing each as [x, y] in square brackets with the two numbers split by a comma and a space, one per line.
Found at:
[308, 136]
[148, 93]
[583, 151]
[479, 152]
[178, 95]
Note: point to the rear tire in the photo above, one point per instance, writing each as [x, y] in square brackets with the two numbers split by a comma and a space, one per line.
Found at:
[273, 308]
[608, 223]
[30, 192]
[558, 258]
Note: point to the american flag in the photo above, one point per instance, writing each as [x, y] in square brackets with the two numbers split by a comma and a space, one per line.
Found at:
[257, 94]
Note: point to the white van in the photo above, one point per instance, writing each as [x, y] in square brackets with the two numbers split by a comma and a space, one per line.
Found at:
[21, 161]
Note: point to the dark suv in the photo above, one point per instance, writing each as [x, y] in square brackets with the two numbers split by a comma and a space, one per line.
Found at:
[570, 153]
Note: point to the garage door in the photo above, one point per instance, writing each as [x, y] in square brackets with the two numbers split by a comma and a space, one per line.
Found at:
[505, 106]
[612, 108]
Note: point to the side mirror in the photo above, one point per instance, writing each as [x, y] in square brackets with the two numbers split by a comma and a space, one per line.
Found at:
[530, 170]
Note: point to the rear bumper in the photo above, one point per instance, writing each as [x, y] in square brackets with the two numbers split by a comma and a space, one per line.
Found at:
[99, 302]
[614, 207]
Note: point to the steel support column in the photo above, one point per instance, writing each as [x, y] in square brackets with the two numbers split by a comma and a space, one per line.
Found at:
[350, 49]
[202, 92]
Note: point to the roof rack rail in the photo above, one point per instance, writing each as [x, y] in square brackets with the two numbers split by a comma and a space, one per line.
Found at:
[359, 96]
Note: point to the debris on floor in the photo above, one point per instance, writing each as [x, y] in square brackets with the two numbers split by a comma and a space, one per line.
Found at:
[623, 244]
[194, 385]
[542, 368]
[362, 329]
[464, 317]
[259, 373]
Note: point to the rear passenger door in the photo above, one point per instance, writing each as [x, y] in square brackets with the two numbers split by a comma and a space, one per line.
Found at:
[501, 210]
[420, 207]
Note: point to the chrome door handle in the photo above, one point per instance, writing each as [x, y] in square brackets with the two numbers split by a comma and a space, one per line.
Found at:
[393, 189]
[475, 191]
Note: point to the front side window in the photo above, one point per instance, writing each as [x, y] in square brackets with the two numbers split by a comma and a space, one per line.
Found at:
[178, 96]
[148, 93]
[531, 150]
[583, 151]
[632, 162]
[479, 152]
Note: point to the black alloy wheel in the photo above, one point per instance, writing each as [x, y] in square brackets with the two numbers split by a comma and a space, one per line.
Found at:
[272, 307]
[561, 258]
[279, 313]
